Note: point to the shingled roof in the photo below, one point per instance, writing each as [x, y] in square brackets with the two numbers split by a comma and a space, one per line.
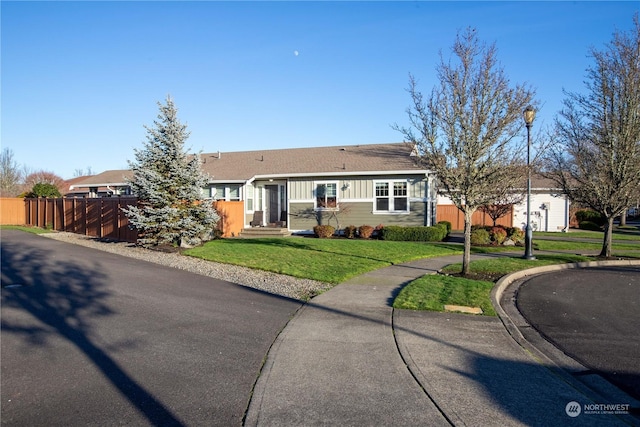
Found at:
[241, 166]
[336, 160]
[104, 179]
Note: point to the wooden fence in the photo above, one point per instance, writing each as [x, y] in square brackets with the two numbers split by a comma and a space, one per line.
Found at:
[12, 211]
[100, 217]
[456, 217]
[231, 217]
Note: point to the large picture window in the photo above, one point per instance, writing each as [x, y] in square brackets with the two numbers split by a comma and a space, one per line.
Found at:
[326, 195]
[391, 196]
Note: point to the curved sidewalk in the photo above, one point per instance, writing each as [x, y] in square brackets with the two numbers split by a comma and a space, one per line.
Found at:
[348, 358]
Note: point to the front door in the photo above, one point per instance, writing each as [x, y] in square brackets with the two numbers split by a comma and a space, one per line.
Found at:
[273, 210]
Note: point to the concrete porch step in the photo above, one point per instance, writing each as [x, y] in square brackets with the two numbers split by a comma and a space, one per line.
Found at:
[255, 232]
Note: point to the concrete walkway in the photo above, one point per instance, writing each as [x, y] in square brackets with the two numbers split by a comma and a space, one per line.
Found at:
[349, 358]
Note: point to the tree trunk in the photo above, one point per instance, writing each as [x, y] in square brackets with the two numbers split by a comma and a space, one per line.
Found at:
[606, 244]
[623, 218]
[466, 257]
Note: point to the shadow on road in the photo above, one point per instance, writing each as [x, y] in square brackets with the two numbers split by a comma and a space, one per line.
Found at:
[67, 298]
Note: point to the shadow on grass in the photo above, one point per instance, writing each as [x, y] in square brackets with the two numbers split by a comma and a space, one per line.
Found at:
[66, 299]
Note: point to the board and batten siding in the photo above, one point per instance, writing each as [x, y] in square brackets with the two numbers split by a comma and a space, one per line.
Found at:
[353, 188]
[356, 200]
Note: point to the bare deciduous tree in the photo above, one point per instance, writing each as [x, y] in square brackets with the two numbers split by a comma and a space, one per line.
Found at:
[466, 129]
[596, 156]
[10, 174]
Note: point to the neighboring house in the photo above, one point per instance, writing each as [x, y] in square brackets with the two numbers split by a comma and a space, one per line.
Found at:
[298, 188]
[106, 184]
[549, 207]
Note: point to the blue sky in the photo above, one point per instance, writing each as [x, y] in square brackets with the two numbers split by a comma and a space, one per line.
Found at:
[81, 79]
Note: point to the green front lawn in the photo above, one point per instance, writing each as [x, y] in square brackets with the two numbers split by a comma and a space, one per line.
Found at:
[618, 233]
[564, 245]
[433, 292]
[326, 260]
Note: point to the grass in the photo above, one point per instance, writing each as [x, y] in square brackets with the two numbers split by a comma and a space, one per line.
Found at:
[327, 260]
[494, 268]
[618, 233]
[434, 291]
[34, 230]
[566, 245]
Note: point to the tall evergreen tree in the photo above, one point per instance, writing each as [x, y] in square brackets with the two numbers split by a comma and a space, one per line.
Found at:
[168, 182]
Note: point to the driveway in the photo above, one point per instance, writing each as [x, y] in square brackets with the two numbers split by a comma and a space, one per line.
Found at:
[92, 338]
[591, 315]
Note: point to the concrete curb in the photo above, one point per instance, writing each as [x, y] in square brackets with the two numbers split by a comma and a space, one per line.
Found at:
[503, 296]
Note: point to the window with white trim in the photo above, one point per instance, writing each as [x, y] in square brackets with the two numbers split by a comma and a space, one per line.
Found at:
[249, 191]
[391, 196]
[226, 192]
[326, 195]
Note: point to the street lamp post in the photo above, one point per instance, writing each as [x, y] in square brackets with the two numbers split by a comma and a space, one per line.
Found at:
[529, 114]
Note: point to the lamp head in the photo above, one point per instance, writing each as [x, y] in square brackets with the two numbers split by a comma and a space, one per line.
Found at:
[529, 114]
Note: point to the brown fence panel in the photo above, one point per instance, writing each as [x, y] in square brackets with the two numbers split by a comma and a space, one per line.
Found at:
[50, 213]
[231, 217]
[125, 233]
[32, 211]
[452, 214]
[13, 211]
[80, 216]
[109, 220]
[68, 223]
[94, 220]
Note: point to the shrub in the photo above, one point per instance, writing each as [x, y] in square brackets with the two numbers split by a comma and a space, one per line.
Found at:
[323, 231]
[448, 224]
[498, 235]
[516, 235]
[414, 234]
[589, 225]
[365, 231]
[592, 216]
[44, 189]
[480, 236]
[350, 231]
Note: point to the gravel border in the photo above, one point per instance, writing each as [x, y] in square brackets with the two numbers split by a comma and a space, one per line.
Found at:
[279, 284]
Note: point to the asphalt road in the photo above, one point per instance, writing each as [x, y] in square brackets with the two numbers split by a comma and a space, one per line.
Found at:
[92, 338]
[592, 315]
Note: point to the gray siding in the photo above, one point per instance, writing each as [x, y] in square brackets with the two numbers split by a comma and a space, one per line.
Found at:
[303, 216]
[302, 189]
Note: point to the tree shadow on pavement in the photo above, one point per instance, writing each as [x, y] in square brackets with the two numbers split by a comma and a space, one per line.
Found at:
[66, 299]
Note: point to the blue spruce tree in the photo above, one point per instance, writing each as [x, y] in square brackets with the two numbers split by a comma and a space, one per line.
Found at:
[168, 182]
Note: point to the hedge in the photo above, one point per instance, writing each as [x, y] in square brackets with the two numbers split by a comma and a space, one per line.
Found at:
[414, 234]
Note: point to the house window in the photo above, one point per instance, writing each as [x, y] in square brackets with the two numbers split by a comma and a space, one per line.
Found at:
[249, 190]
[382, 196]
[226, 192]
[391, 196]
[326, 195]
